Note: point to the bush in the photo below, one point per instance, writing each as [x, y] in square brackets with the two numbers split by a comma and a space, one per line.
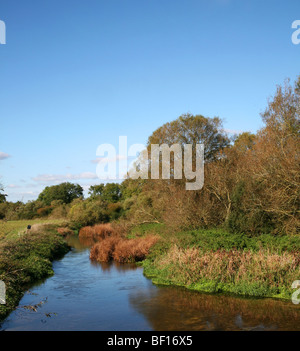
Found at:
[97, 231]
[88, 212]
[122, 250]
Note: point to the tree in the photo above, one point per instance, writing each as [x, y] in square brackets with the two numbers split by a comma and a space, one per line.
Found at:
[66, 192]
[189, 129]
[2, 195]
[277, 153]
[96, 190]
[110, 192]
[172, 202]
[244, 141]
[283, 112]
[88, 212]
[265, 196]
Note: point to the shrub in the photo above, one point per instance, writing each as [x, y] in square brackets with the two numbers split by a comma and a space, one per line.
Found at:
[103, 251]
[88, 212]
[98, 230]
[122, 250]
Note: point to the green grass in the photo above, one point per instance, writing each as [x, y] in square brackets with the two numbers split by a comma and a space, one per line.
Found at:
[12, 229]
[267, 280]
[26, 258]
[217, 239]
[145, 229]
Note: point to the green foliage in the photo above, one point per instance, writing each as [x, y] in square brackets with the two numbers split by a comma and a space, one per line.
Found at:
[244, 141]
[147, 228]
[88, 212]
[28, 210]
[241, 220]
[219, 239]
[66, 192]
[261, 282]
[8, 210]
[189, 129]
[114, 211]
[263, 278]
[131, 187]
[110, 192]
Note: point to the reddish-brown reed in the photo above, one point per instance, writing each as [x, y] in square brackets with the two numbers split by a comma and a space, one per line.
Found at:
[97, 231]
[122, 250]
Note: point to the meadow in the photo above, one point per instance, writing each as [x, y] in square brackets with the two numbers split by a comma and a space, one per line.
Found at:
[13, 229]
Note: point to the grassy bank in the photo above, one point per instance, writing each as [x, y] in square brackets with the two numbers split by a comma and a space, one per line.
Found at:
[215, 261]
[25, 257]
[12, 229]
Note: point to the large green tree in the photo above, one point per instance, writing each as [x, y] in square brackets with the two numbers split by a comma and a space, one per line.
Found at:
[65, 192]
[189, 129]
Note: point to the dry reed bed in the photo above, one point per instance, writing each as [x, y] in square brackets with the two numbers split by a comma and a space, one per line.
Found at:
[98, 231]
[121, 249]
[193, 264]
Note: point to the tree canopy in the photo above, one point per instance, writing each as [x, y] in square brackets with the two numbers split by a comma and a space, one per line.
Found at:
[110, 192]
[189, 129]
[65, 192]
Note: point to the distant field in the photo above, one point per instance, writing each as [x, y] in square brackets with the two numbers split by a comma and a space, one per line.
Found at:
[11, 229]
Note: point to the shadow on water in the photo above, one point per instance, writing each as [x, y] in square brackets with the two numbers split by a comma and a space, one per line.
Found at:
[84, 295]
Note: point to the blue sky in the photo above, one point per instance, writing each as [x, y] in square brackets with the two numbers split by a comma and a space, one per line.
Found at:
[77, 74]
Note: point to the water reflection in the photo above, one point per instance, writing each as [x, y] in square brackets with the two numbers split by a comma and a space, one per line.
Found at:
[80, 243]
[170, 308]
[109, 266]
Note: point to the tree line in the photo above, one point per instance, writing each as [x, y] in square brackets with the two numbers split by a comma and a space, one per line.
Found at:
[251, 180]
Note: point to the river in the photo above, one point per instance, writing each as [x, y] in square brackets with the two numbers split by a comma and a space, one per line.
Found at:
[83, 295]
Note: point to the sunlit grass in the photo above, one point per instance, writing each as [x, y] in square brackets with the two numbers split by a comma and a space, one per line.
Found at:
[12, 229]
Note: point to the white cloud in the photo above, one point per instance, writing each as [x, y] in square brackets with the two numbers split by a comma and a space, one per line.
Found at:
[23, 196]
[64, 177]
[3, 155]
[13, 186]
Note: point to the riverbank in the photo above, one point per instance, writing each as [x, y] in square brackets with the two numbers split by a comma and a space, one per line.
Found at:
[25, 258]
[215, 261]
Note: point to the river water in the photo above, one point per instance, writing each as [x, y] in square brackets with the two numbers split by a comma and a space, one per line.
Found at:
[83, 295]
